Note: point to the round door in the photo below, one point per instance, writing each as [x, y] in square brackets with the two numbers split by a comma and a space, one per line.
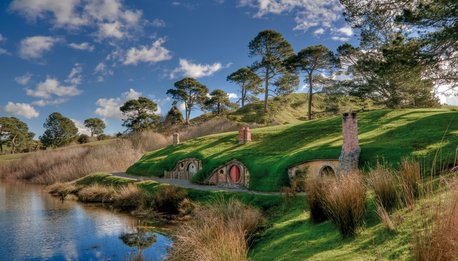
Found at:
[192, 168]
[234, 174]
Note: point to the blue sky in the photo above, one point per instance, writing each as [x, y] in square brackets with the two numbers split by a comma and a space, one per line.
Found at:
[83, 58]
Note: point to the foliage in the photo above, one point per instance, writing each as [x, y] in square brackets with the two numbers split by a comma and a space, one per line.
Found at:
[249, 82]
[96, 126]
[191, 92]
[59, 131]
[174, 116]
[273, 50]
[83, 138]
[383, 134]
[140, 113]
[219, 102]
[15, 133]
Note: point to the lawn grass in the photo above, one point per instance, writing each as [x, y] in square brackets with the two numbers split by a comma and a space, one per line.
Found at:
[388, 135]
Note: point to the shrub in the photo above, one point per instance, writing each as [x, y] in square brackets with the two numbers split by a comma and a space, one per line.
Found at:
[316, 188]
[410, 175]
[131, 197]
[167, 199]
[344, 203]
[96, 194]
[438, 239]
[83, 138]
[385, 186]
[219, 231]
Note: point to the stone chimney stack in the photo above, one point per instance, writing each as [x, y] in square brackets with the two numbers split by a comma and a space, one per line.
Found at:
[350, 149]
[176, 139]
[244, 135]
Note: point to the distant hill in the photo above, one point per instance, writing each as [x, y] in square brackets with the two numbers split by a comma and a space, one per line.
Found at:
[387, 135]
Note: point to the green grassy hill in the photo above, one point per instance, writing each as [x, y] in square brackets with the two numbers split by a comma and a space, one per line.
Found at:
[386, 135]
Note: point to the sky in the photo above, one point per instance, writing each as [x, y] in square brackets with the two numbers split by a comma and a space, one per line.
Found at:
[85, 58]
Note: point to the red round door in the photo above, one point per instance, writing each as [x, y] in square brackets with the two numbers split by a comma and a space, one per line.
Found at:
[234, 173]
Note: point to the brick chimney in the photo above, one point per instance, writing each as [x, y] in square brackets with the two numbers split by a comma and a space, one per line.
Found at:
[244, 135]
[350, 149]
[176, 139]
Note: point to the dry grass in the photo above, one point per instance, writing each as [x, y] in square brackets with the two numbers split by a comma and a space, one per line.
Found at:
[62, 165]
[410, 175]
[167, 199]
[131, 197]
[62, 190]
[385, 186]
[438, 239]
[97, 194]
[316, 188]
[217, 232]
[385, 217]
[149, 140]
[344, 203]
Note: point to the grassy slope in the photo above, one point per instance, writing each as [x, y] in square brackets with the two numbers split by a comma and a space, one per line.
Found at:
[384, 134]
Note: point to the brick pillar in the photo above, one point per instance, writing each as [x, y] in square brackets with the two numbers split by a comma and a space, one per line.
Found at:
[244, 135]
[350, 149]
[176, 139]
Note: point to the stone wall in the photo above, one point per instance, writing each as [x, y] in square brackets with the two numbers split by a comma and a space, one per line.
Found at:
[230, 174]
[349, 156]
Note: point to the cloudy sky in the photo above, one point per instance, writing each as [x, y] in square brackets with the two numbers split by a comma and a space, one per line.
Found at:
[84, 58]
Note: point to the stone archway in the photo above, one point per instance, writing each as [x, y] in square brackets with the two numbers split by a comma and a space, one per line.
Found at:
[327, 170]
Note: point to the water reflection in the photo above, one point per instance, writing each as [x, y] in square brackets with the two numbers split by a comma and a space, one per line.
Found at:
[36, 226]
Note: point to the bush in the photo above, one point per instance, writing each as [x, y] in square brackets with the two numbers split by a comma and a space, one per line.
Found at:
[385, 186]
[96, 194]
[131, 197]
[344, 203]
[167, 199]
[316, 188]
[83, 138]
[219, 231]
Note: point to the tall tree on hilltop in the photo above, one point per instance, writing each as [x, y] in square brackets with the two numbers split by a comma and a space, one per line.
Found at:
[96, 126]
[219, 102]
[273, 50]
[315, 61]
[140, 114]
[14, 132]
[174, 116]
[249, 82]
[191, 93]
[59, 131]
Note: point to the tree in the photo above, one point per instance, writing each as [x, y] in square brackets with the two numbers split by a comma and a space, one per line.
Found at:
[273, 50]
[191, 93]
[174, 116]
[315, 61]
[15, 133]
[140, 114]
[249, 82]
[96, 126]
[219, 102]
[59, 131]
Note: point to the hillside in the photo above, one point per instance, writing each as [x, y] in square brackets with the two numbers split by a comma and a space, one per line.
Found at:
[384, 135]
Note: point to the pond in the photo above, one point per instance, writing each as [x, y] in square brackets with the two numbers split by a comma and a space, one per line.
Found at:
[37, 226]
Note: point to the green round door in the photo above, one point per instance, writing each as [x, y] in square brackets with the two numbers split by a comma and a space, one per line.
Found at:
[192, 168]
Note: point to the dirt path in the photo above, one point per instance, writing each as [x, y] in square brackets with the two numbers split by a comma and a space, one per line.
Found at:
[187, 184]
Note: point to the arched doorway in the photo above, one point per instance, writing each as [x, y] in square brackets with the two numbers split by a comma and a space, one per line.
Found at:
[192, 168]
[327, 171]
[234, 173]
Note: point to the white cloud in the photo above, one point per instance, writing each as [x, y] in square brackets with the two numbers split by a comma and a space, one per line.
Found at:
[346, 30]
[340, 38]
[318, 31]
[158, 23]
[82, 46]
[232, 95]
[4, 52]
[34, 47]
[52, 86]
[21, 109]
[75, 77]
[43, 102]
[23, 79]
[109, 107]
[155, 53]
[102, 71]
[81, 128]
[110, 30]
[181, 106]
[195, 70]
[308, 13]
